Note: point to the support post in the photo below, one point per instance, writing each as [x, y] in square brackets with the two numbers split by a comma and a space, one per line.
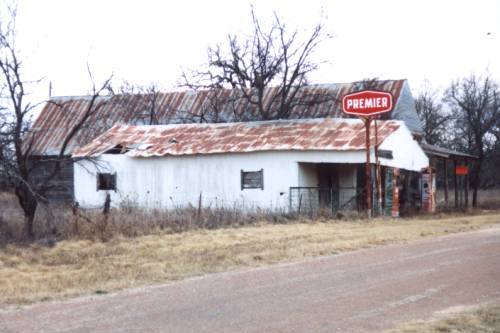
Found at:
[378, 177]
[368, 170]
[446, 182]
[455, 182]
[466, 186]
[407, 206]
[331, 201]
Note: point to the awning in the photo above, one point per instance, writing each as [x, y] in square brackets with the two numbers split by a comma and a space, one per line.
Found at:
[432, 150]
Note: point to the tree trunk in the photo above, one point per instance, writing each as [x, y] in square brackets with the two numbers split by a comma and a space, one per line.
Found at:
[476, 180]
[28, 203]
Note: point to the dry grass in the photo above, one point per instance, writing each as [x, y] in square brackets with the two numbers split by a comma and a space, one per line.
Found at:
[487, 199]
[483, 320]
[9, 215]
[62, 222]
[74, 267]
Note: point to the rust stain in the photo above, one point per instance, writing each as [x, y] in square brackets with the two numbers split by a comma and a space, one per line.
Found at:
[188, 139]
[60, 115]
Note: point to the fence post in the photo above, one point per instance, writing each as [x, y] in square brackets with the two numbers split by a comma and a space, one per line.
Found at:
[105, 212]
[331, 201]
[310, 204]
[76, 224]
[300, 204]
[199, 209]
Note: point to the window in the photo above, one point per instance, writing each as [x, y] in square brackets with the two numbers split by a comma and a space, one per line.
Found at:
[252, 179]
[385, 154]
[106, 181]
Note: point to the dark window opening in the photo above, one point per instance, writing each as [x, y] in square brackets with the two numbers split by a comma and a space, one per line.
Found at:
[252, 179]
[106, 181]
[385, 154]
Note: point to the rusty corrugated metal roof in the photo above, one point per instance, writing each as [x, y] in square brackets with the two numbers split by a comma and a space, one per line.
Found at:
[324, 134]
[434, 150]
[60, 115]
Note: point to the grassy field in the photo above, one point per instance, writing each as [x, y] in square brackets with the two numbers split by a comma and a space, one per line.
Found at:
[483, 320]
[75, 267]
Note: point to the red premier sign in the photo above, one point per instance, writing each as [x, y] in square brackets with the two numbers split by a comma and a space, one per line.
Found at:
[367, 103]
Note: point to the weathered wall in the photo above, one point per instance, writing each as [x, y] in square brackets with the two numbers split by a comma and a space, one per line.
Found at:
[168, 182]
[174, 181]
[407, 153]
[308, 175]
[62, 185]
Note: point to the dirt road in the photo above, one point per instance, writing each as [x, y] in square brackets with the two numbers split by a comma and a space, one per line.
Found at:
[363, 291]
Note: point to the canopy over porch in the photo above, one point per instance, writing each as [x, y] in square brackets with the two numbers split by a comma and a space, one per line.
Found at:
[440, 159]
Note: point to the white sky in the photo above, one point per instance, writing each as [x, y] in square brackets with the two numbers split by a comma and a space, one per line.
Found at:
[152, 41]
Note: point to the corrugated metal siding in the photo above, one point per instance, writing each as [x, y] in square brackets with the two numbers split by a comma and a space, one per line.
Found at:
[60, 115]
[188, 139]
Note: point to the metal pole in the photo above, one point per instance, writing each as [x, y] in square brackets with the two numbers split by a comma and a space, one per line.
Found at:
[368, 170]
[446, 182]
[378, 178]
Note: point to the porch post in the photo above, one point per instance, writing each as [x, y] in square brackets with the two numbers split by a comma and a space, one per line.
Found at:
[455, 182]
[407, 191]
[446, 182]
[466, 179]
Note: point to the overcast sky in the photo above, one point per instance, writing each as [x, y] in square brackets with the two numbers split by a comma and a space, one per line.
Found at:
[152, 41]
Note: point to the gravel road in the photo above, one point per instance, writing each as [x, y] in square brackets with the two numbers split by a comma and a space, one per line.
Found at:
[363, 291]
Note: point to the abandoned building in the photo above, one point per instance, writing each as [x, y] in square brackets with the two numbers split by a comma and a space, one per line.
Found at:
[274, 165]
[61, 114]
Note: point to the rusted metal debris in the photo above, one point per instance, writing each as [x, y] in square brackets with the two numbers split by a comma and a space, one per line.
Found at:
[188, 139]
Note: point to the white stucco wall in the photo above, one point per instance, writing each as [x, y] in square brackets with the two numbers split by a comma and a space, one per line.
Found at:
[168, 182]
[175, 181]
[406, 152]
[308, 175]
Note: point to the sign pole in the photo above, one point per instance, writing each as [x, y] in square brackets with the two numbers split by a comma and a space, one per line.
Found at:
[368, 170]
[367, 104]
[378, 177]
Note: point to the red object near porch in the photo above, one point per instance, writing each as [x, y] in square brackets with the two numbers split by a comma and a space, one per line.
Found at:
[462, 170]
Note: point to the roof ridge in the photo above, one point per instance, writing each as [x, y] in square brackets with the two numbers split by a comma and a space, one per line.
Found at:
[253, 123]
[174, 91]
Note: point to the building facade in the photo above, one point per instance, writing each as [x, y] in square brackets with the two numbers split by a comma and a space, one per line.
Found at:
[251, 165]
[61, 114]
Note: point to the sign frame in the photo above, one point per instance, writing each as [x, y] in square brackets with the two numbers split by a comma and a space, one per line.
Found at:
[377, 110]
[368, 117]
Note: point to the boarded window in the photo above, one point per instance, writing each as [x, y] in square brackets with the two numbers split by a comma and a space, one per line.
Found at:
[252, 179]
[106, 181]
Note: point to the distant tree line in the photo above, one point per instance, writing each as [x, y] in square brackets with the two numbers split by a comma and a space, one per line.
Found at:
[467, 119]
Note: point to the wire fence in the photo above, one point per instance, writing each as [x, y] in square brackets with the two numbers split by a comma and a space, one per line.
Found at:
[313, 201]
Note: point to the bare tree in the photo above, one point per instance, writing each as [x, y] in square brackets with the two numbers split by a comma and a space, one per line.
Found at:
[142, 102]
[431, 113]
[16, 138]
[475, 105]
[267, 58]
